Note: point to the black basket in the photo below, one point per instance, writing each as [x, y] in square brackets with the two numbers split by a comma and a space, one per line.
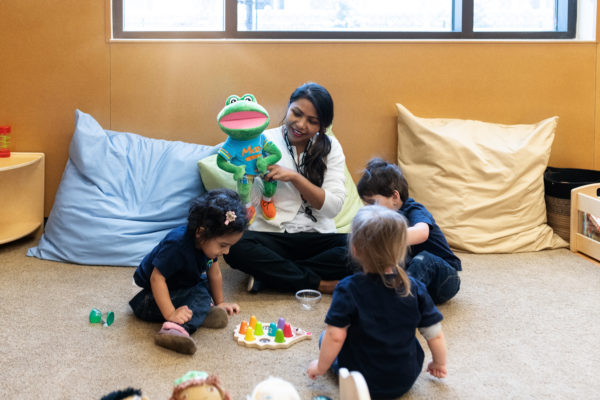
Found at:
[558, 183]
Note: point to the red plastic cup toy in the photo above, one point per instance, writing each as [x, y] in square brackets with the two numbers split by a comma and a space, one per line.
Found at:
[287, 331]
[4, 141]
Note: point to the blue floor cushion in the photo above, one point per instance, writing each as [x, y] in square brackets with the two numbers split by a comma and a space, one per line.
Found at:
[119, 195]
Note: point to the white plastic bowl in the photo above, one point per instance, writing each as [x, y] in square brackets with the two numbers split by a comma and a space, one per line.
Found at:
[308, 298]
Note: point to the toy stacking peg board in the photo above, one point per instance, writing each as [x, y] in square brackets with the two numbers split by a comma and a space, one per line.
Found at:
[280, 335]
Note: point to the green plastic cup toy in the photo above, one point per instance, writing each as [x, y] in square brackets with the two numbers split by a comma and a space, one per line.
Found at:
[258, 331]
[96, 317]
[279, 336]
[110, 318]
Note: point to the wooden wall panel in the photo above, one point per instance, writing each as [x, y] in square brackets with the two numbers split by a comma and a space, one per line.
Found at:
[597, 94]
[597, 112]
[54, 59]
[175, 90]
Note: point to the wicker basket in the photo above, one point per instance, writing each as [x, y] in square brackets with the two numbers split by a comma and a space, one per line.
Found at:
[558, 212]
[558, 183]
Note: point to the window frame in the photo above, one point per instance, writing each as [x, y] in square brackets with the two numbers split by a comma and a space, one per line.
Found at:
[462, 28]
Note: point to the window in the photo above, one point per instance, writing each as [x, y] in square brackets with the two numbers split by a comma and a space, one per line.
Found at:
[345, 19]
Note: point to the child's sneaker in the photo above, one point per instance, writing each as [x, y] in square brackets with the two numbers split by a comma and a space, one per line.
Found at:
[216, 318]
[173, 337]
[268, 209]
[254, 285]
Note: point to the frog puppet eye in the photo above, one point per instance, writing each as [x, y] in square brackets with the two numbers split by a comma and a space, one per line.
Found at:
[232, 99]
[249, 97]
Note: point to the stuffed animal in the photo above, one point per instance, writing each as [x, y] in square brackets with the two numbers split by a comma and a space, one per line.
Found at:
[127, 394]
[274, 388]
[247, 152]
[198, 385]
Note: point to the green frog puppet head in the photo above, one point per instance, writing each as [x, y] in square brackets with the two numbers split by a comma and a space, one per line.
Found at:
[243, 118]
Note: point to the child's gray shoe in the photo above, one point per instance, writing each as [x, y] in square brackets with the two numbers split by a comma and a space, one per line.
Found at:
[216, 318]
[173, 337]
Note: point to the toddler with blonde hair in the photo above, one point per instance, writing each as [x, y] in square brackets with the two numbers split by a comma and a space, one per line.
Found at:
[374, 315]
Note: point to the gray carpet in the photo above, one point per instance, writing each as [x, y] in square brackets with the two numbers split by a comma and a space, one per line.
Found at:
[523, 326]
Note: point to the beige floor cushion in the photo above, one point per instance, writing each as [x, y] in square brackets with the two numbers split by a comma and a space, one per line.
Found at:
[482, 182]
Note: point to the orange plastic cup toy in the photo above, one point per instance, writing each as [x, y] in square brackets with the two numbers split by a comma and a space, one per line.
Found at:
[252, 322]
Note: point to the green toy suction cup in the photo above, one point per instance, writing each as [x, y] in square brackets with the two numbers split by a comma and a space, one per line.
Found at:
[96, 317]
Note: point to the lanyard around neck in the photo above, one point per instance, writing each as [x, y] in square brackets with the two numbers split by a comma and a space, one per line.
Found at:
[299, 167]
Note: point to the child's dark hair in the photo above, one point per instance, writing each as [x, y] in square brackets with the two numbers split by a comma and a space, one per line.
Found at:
[219, 212]
[314, 164]
[122, 394]
[382, 178]
[378, 242]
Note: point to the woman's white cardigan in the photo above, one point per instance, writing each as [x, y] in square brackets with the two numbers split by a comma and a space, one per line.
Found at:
[287, 198]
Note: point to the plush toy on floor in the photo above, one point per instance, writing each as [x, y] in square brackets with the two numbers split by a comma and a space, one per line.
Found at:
[198, 385]
[127, 394]
[247, 152]
[274, 389]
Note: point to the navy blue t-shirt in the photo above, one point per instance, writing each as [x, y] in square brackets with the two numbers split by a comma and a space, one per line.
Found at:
[381, 341]
[436, 243]
[177, 259]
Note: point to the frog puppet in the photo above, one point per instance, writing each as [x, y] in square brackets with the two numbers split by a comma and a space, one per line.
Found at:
[247, 152]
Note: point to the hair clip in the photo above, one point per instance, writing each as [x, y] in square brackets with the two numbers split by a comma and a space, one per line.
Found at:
[230, 217]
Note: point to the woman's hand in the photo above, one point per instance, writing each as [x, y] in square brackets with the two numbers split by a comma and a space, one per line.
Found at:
[181, 315]
[231, 308]
[279, 173]
[314, 195]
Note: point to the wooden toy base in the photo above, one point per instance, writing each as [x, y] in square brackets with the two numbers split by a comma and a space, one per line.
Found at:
[268, 342]
[353, 385]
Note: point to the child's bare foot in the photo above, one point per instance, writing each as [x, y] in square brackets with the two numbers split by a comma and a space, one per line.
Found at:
[327, 286]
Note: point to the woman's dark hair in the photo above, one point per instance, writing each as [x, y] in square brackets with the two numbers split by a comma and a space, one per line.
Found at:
[219, 212]
[382, 178]
[314, 163]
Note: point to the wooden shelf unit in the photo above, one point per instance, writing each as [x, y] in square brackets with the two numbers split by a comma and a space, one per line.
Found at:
[21, 195]
[584, 199]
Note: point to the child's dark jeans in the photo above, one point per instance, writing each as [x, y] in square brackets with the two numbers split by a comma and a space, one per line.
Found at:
[440, 278]
[197, 298]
